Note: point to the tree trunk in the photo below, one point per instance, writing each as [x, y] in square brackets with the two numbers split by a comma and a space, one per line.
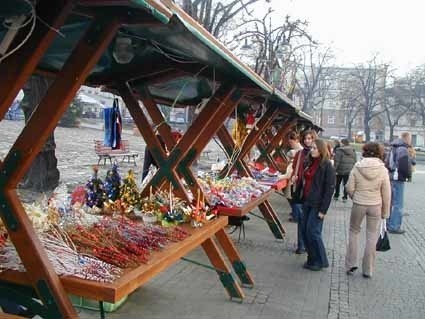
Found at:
[391, 131]
[349, 134]
[366, 127]
[43, 174]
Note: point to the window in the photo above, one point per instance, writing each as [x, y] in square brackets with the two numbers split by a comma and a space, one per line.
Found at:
[331, 119]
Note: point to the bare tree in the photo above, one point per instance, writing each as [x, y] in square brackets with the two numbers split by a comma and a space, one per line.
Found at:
[371, 80]
[398, 102]
[349, 95]
[216, 15]
[315, 77]
[416, 83]
[273, 47]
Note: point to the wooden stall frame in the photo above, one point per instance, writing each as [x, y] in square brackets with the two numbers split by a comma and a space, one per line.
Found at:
[26, 147]
[190, 145]
[40, 274]
[268, 151]
[266, 209]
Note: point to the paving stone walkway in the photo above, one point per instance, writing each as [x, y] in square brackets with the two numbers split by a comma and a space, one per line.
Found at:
[283, 288]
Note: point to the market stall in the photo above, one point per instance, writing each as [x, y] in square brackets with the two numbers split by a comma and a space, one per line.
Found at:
[148, 51]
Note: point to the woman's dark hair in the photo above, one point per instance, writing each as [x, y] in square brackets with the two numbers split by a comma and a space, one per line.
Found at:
[373, 149]
[308, 132]
[293, 136]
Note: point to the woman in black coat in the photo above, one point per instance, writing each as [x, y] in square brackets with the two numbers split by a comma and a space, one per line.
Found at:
[318, 186]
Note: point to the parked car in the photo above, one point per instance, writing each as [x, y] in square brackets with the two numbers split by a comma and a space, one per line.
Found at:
[420, 148]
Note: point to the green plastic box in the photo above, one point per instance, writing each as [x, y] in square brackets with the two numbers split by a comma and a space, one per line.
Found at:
[90, 304]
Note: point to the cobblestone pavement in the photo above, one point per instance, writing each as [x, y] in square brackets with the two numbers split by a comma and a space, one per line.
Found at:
[283, 288]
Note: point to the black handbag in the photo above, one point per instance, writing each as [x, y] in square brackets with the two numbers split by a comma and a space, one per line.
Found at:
[297, 192]
[383, 243]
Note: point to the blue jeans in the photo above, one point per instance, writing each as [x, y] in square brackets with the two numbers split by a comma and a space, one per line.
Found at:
[297, 213]
[311, 226]
[397, 198]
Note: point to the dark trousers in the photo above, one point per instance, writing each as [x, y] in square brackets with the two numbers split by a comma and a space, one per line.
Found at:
[297, 213]
[344, 179]
[311, 228]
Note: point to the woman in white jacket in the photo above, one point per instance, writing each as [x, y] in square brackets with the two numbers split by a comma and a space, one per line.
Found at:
[370, 189]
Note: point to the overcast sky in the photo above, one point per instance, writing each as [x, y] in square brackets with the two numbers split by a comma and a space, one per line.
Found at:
[358, 28]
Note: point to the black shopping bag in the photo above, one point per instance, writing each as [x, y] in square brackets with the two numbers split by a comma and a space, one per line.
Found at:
[383, 243]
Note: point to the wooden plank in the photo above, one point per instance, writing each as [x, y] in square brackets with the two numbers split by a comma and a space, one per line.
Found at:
[18, 67]
[132, 278]
[242, 211]
[7, 316]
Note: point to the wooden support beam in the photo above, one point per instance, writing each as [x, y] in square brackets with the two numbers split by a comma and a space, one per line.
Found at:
[18, 67]
[152, 143]
[29, 143]
[224, 95]
[273, 146]
[235, 258]
[253, 137]
[266, 209]
[157, 117]
[230, 284]
[47, 114]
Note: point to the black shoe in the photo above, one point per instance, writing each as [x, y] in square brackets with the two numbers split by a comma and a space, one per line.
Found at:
[367, 276]
[314, 267]
[306, 265]
[396, 231]
[300, 251]
[352, 270]
[335, 197]
[344, 199]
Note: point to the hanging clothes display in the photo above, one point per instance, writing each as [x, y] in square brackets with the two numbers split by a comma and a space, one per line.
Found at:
[113, 126]
[116, 126]
[107, 126]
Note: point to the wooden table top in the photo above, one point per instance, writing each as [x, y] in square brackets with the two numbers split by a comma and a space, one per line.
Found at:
[242, 211]
[135, 277]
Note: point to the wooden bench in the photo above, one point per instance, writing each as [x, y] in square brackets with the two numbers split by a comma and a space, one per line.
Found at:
[106, 152]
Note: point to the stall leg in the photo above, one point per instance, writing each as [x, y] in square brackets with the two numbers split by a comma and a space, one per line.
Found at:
[230, 284]
[102, 310]
[235, 258]
[272, 220]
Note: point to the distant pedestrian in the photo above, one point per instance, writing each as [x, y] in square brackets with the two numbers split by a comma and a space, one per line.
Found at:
[307, 139]
[412, 158]
[400, 168]
[369, 187]
[318, 183]
[344, 160]
[336, 145]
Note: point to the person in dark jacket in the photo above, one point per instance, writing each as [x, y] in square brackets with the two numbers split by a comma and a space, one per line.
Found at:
[148, 159]
[400, 169]
[307, 138]
[318, 186]
[344, 160]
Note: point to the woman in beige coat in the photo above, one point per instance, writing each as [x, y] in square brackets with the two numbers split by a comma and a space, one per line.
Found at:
[370, 189]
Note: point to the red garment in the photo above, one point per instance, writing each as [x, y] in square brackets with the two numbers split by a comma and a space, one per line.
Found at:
[300, 156]
[309, 175]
